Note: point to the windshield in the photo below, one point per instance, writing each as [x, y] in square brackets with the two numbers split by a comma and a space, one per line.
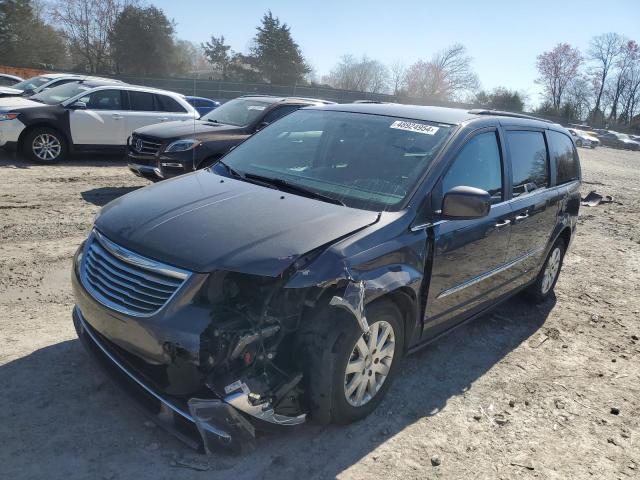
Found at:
[31, 83]
[366, 161]
[622, 136]
[59, 94]
[238, 112]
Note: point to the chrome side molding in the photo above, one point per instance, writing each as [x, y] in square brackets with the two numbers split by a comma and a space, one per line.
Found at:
[489, 274]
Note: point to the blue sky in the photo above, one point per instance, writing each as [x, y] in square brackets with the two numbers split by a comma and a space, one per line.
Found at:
[503, 37]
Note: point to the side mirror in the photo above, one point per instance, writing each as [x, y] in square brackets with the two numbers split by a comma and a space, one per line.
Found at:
[261, 125]
[465, 203]
[78, 105]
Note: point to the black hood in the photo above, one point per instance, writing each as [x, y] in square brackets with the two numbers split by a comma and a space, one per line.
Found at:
[203, 222]
[198, 129]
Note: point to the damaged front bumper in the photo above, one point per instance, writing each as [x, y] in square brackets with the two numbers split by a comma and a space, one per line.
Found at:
[201, 423]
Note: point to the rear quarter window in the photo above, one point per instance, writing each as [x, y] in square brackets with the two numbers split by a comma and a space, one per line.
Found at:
[565, 157]
[529, 161]
[168, 104]
[141, 101]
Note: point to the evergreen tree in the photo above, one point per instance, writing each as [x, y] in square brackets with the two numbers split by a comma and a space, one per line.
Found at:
[275, 54]
[25, 40]
[142, 42]
[218, 54]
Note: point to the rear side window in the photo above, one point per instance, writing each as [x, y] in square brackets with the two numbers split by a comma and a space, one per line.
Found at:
[477, 165]
[62, 82]
[566, 157]
[529, 164]
[141, 101]
[168, 104]
[280, 112]
[103, 100]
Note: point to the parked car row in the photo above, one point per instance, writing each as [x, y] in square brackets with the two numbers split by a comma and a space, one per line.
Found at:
[73, 113]
[167, 150]
[164, 133]
[618, 140]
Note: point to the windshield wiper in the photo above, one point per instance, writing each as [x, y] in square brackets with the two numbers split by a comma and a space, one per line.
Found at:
[242, 176]
[232, 170]
[212, 120]
[292, 187]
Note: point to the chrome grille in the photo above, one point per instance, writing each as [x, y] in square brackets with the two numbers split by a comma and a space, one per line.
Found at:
[145, 146]
[125, 281]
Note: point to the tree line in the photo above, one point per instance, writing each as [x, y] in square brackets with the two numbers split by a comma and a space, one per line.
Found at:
[601, 85]
[129, 38]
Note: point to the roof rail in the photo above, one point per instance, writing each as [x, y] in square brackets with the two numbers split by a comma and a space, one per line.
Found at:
[287, 97]
[309, 99]
[500, 113]
[368, 101]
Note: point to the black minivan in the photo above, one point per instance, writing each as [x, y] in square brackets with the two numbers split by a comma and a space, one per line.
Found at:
[290, 279]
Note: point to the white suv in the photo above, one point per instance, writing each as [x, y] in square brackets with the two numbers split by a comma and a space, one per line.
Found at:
[85, 116]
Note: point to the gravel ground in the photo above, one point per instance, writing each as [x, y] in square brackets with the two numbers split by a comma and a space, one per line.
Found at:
[545, 392]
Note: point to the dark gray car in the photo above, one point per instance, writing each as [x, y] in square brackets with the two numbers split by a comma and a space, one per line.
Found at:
[288, 281]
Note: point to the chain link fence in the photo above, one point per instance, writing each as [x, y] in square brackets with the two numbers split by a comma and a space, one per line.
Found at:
[223, 91]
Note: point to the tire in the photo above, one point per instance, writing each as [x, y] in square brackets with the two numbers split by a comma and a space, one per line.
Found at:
[578, 143]
[542, 288]
[45, 145]
[333, 340]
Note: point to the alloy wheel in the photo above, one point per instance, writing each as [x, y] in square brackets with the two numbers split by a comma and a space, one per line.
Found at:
[369, 364]
[46, 147]
[551, 271]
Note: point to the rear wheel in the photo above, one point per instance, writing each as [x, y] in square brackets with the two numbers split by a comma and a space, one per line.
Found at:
[543, 287]
[578, 143]
[45, 145]
[347, 372]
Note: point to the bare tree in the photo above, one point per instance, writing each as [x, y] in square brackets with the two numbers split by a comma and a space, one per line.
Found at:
[627, 58]
[398, 71]
[579, 95]
[631, 95]
[447, 76]
[557, 69]
[603, 51]
[88, 25]
[364, 75]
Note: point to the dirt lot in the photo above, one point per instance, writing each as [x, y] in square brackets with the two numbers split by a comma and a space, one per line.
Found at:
[521, 393]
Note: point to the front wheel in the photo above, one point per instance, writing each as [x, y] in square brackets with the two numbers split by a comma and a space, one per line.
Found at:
[348, 372]
[44, 145]
[546, 280]
[578, 143]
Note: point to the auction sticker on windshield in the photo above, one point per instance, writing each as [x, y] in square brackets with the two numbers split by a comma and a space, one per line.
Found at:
[414, 127]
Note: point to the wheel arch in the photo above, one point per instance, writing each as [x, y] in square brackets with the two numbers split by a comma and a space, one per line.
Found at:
[33, 126]
[405, 299]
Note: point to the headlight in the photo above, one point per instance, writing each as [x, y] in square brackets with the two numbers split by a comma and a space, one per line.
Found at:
[8, 116]
[182, 145]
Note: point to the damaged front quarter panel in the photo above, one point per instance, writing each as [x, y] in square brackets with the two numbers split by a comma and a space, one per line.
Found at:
[352, 300]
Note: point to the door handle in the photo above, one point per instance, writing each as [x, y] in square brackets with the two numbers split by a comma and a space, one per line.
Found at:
[163, 119]
[502, 223]
[117, 117]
